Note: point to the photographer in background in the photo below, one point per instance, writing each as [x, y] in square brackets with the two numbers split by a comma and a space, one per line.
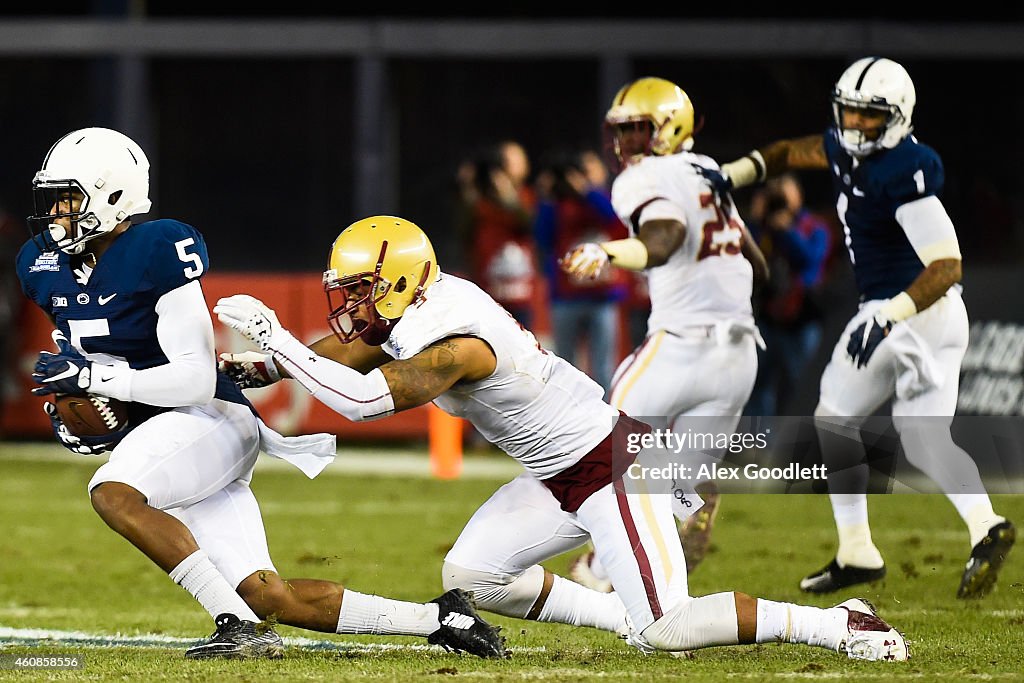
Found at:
[797, 244]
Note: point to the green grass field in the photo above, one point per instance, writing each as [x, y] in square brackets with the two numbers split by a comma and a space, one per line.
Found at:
[61, 569]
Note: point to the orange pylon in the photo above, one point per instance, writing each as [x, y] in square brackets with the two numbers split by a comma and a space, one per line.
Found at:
[445, 433]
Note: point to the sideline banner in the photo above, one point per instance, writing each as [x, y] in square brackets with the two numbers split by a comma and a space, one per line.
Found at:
[301, 306]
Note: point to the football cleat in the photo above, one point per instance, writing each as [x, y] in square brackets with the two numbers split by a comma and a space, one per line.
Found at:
[581, 572]
[237, 639]
[695, 530]
[986, 559]
[834, 577]
[462, 630]
[869, 636]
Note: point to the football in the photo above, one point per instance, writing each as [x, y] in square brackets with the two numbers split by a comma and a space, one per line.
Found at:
[92, 415]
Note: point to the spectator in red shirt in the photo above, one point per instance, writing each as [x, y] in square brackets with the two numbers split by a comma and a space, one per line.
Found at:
[500, 204]
[572, 209]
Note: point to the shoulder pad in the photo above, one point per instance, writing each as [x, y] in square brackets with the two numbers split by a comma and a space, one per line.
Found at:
[175, 253]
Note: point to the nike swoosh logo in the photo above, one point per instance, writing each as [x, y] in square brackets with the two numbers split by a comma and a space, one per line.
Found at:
[104, 299]
[70, 372]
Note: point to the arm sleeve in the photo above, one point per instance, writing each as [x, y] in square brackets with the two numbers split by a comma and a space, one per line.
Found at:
[929, 229]
[185, 333]
[346, 391]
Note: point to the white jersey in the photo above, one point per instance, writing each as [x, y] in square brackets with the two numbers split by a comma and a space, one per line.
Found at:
[707, 279]
[535, 406]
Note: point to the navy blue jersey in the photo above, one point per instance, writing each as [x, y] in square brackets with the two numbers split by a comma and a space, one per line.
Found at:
[114, 314]
[884, 261]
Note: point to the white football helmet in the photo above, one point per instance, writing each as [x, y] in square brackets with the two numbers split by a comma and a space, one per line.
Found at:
[111, 174]
[880, 84]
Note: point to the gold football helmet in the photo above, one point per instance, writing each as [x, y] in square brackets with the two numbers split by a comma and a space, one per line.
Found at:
[650, 116]
[382, 264]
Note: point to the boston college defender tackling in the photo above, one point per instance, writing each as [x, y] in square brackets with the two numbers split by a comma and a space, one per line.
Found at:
[408, 334]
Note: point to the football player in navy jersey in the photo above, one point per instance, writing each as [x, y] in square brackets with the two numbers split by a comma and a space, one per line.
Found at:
[909, 336]
[132, 324]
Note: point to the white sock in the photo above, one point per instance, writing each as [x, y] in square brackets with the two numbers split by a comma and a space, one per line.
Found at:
[198, 576]
[597, 569]
[373, 614]
[856, 548]
[788, 623]
[976, 511]
[570, 603]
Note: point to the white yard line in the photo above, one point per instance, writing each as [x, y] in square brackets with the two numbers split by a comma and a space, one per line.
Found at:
[39, 636]
[384, 461]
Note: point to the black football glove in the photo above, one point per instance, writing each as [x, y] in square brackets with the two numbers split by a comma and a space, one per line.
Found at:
[720, 182]
[82, 445]
[866, 338]
[64, 372]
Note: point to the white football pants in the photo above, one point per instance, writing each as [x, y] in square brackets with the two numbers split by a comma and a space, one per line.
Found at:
[918, 367]
[195, 463]
[634, 536]
[669, 377]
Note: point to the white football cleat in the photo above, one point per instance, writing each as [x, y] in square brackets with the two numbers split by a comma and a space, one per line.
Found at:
[870, 637]
[580, 572]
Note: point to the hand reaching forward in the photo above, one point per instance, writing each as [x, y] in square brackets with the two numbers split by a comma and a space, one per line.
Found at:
[253, 320]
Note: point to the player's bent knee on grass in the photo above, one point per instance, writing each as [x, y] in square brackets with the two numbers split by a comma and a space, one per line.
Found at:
[696, 623]
[512, 596]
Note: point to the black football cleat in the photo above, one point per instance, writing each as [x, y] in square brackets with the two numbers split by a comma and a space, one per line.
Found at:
[835, 577]
[462, 630]
[237, 639]
[986, 559]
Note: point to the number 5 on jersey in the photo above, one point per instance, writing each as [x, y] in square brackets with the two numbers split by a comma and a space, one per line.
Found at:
[191, 271]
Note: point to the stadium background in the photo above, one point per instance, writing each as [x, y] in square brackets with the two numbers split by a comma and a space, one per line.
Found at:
[271, 131]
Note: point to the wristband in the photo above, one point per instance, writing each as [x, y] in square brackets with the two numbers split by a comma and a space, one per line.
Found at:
[898, 308]
[746, 170]
[630, 253]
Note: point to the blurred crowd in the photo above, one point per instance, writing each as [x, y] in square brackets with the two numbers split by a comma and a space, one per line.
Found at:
[516, 217]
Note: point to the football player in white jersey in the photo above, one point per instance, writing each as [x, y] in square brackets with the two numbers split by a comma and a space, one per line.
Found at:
[407, 334]
[908, 339]
[133, 324]
[698, 360]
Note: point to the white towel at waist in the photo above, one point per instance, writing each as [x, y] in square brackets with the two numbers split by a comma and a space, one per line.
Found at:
[311, 453]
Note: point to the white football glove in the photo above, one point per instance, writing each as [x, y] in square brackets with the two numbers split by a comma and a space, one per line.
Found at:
[253, 320]
[249, 369]
[587, 261]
